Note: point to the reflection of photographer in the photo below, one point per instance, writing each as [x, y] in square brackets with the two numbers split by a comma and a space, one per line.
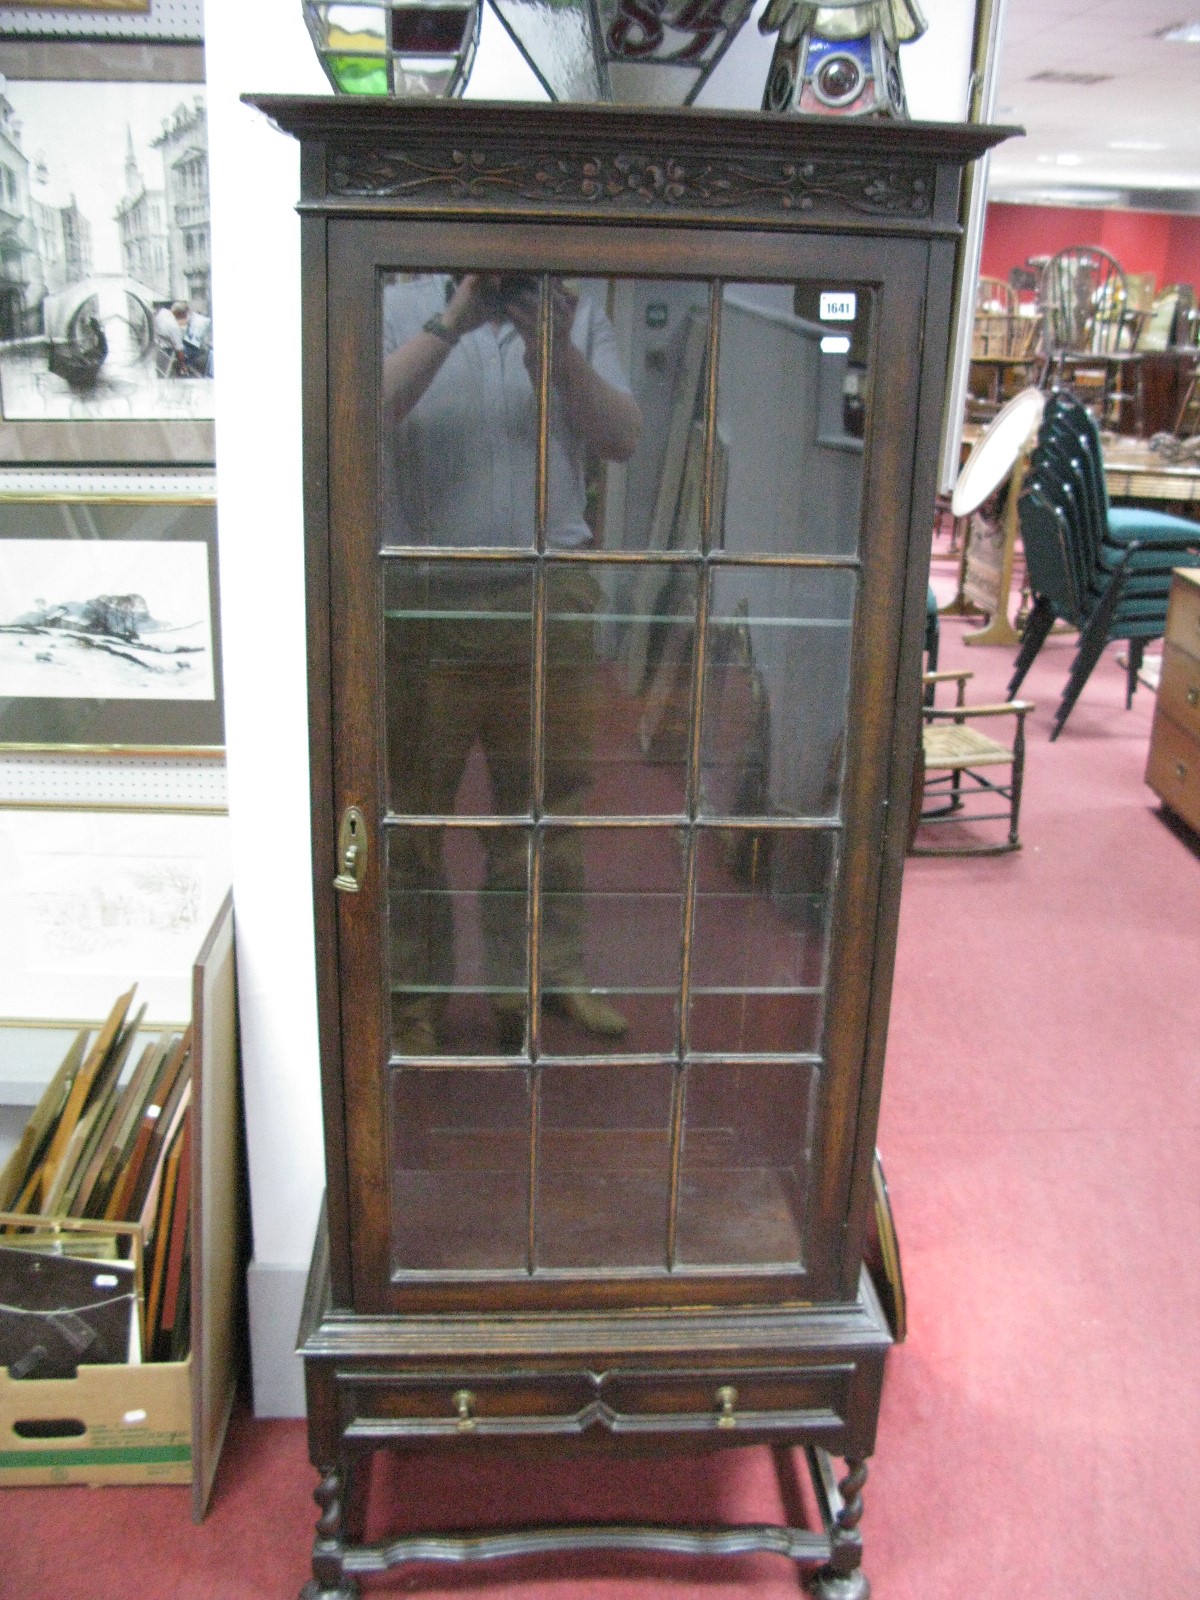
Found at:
[460, 404]
[599, 412]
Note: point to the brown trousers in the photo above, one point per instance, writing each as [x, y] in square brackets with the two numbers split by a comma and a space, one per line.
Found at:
[460, 676]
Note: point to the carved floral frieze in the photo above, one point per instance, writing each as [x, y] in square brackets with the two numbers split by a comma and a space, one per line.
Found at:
[628, 180]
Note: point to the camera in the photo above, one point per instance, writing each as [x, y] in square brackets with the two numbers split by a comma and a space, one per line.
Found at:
[500, 291]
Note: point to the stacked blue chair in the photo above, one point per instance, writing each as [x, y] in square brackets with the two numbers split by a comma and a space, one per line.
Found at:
[1105, 570]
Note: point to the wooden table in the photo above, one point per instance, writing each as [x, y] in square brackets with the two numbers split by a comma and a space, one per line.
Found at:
[1135, 472]
[1131, 469]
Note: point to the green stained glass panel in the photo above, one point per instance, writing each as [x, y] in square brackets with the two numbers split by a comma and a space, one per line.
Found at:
[359, 74]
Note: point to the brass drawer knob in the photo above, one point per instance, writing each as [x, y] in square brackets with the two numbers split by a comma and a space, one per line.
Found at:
[464, 1404]
[1193, 695]
[726, 1398]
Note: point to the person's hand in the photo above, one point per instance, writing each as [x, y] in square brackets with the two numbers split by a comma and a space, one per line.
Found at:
[468, 307]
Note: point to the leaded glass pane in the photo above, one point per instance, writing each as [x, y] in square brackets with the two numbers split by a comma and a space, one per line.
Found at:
[760, 933]
[777, 681]
[793, 394]
[457, 937]
[604, 1165]
[458, 664]
[610, 752]
[611, 939]
[744, 1165]
[460, 1170]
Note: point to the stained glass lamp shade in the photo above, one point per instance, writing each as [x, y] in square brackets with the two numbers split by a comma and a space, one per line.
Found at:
[395, 47]
[634, 52]
[839, 57]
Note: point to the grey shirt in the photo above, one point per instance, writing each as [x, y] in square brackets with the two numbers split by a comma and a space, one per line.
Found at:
[461, 469]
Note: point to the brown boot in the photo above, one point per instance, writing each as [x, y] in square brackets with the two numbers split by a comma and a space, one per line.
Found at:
[588, 1011]
[417, 1037]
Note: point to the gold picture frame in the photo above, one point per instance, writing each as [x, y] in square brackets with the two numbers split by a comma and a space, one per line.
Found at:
[76, 5]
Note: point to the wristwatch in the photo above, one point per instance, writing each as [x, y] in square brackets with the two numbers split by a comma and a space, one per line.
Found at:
[437, 326]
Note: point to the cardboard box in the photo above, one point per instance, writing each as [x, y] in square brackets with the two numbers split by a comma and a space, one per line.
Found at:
[108, 1424]
[163, 1421]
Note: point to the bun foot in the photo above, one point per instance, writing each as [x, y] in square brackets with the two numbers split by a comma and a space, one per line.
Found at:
[347, 1589]
[827, 1585]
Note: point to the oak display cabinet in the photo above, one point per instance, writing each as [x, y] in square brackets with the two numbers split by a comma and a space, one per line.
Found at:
[620, 436]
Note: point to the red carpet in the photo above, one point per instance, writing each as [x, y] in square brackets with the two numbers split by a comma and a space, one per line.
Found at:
[1041, 1426]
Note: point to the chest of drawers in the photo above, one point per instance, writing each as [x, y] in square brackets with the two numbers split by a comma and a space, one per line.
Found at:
[1173, 768]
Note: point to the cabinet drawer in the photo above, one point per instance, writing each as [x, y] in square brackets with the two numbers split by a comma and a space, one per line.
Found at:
[453, 1405]
[384, 1406]
[727, 1400]
[1183, 614]
[1173, 771]
[1179, 689]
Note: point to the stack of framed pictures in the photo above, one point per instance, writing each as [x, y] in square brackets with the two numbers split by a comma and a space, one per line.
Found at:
[113, 833]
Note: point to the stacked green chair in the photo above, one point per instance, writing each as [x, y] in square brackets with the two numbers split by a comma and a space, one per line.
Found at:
[1104, 570]
[933, 635]
[1080, 493]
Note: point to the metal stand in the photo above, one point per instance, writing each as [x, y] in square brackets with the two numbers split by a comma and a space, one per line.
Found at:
[999, 630]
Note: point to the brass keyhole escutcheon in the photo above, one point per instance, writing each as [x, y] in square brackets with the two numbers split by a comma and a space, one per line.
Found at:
[726, 1398]
[351, 851]
[464, 1404]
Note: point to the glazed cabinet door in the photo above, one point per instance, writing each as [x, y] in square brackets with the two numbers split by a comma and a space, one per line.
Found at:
[619, 524]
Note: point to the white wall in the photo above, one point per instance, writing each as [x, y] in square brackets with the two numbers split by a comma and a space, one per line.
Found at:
[255, 178]
[263, 47]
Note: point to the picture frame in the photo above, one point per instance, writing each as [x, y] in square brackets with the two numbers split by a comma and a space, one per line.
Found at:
[95, 365]
[91, 902]
[77, 5]
[109, 621]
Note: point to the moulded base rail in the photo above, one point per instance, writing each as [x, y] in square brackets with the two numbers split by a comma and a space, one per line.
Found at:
[834, 1554]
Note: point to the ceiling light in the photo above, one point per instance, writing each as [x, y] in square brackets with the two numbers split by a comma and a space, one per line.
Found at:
[1135, 144]
[1180, 33]
[1079, 79]
[1034, 195]
[1068, 161]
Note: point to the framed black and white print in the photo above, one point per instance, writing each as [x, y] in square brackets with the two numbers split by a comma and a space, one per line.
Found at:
[107, 340]
[91, 901]
[109, 635]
